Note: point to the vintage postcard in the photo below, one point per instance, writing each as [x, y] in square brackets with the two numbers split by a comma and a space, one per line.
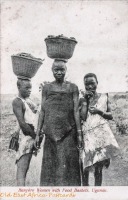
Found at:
[64, 99]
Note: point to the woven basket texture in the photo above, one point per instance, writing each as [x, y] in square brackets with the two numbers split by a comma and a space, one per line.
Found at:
[60, 48]
[24, 66]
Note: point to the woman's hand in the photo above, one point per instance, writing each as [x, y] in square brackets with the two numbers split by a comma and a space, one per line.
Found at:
[88, 95]
[37, 142]
[105, 115]
[94, 110]
[79, 140]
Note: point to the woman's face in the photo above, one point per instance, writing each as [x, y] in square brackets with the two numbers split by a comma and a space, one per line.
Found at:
[25, 89]
[59, 72]
[90, 84]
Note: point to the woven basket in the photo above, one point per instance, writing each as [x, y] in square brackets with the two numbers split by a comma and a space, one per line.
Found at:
[24, 66]
[60, 47]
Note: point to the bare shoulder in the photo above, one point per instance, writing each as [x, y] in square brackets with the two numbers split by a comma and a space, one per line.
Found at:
[45, 90]
[73, 86]
[46, 86]
[17, 103]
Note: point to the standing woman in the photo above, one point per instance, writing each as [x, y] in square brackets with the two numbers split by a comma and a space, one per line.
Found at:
[59, 118]
[99, 142]
[25, 66]
[26, 119]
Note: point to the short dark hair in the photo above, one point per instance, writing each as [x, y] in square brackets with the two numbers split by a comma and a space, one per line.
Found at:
[91, 75]
[57, 63]
[21, 81]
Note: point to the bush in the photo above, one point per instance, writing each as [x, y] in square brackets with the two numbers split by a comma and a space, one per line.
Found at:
[122, 127]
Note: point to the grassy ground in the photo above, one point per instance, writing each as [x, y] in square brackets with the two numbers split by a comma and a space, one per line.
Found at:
[116, 175]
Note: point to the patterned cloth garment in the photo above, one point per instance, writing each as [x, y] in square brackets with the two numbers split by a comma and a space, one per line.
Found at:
[26, 142]
[99, 141]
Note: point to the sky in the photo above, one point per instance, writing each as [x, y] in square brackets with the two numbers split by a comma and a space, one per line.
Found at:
[100, 27]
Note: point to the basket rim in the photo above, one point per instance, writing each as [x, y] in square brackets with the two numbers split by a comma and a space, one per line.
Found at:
[61, 39]
[33, 59]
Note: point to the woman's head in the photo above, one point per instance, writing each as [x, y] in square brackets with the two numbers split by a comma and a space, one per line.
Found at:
[90, 82]
[24, 87]
[59, 70]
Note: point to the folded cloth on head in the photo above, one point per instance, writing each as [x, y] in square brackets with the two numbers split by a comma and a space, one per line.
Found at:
[23, 78]
[61, 59]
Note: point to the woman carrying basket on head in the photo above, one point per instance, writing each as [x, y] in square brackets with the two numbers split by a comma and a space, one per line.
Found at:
[25, 67]
[59, 118]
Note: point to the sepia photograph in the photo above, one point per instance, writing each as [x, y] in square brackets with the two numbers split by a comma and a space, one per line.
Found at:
[64, 99]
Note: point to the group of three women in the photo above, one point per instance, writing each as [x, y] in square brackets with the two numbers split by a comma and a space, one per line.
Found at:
[76, 131]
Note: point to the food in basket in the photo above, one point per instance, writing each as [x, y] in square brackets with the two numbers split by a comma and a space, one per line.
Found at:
[60, 46]
[25, 65]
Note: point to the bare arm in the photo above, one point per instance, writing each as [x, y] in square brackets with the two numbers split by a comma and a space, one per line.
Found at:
[106, 115]
[84, 104]
[83, 110]
[77, 116]
[76, 110]
[41, 115]
[19, 109]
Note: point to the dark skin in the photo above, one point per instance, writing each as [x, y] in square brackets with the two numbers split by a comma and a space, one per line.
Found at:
[19, 107]
[59, 74]
[88, 105]
[90, 98]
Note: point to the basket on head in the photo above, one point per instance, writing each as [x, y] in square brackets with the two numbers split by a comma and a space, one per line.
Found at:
[60, 46]
[25, 65]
